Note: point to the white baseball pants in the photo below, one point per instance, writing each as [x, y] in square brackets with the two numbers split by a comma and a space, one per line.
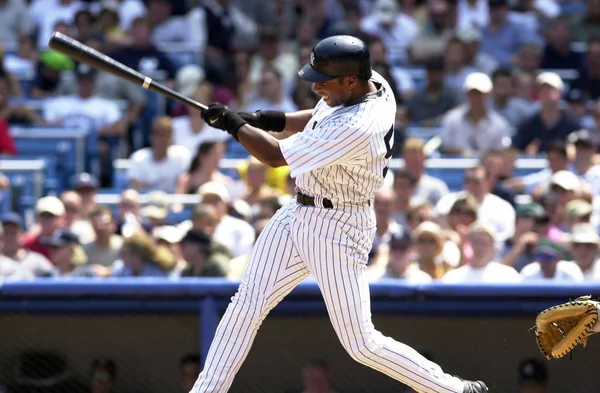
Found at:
[333, 246]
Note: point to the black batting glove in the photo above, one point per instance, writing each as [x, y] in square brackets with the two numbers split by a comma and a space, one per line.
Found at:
[219, 116]
[265, 120]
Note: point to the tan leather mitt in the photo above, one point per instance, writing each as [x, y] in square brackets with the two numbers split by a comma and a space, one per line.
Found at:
[561, 328]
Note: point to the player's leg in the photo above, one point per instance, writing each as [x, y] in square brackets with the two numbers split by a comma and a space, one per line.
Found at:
[274, 269]
[335, 247]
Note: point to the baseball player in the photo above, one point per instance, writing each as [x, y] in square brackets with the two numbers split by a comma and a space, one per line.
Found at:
[339, 154]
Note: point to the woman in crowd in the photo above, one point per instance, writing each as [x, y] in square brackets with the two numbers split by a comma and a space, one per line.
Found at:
[428, 241]
[205, 167]
[462, 214]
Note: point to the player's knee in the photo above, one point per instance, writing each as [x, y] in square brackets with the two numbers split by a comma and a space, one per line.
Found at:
[364, 349]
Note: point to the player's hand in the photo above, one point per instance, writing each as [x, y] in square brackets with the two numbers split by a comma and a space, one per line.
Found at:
[219, 116]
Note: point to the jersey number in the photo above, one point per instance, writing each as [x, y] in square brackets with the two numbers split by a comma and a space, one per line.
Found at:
[388, 146]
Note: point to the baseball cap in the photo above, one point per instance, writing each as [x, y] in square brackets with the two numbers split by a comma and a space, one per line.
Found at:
[400, 241]
[214, 188]
[428, 227]
[62, 238]
[188, 77]
[578, 208]
[584, 233]
[565, 180]
[11, 218]
[482, 227]
[85, 180]
[548, 247]
[551, 79]
[168, 233]
[85, 71]
[581, 138]
[478, 81]
[196, 236]
[51, 205]
[532, 370]
[534, 210]
[157, 205]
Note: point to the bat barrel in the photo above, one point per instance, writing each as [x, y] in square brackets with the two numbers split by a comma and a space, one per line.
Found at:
[87, 55]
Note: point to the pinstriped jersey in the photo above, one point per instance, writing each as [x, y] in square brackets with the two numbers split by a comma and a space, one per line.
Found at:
[343, 152]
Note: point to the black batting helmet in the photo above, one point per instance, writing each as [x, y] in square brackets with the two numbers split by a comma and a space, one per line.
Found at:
[337, 56]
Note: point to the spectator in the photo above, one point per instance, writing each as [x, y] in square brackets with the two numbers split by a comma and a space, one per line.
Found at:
[188, 31]
[50, 213]
[169, 236]
[427, 188]
[404, 189]
[72, 219]
[587, 25]
[584, 242]
[191, 130]
[9, 268]
[417, 214]
[384, 214]
[141, 257]
[462, 215]
[577, 107]
[504, 101]
[189, 369]
[502, 37]
[493, 161]
[238, 265]
[394, 28]
[205, 218]
[104, 375]
[235, 234]
[431, 39]
[161, 166]
[113, 35]
[427, 106]
[48, 73]
[482, 268]
[143, 56]
[45, 14]
[316, 377]
[14, 21]
[34, 263]
[428, 240]
[472, 14]
[84, 25]
[104, 250]
[86, 186]
[558, 160]
[270, 94]
[401, 80]
[68, 257]
[564, 187]
[273, 55]
[476, 59]
[204, 168]
[584, 164]
[558, 54]
[549, 265]
[474, 128]
[533, 376]
[23, 61]
[576, 211]
[129, 205]
[12, 112]
[589, 75]
[155, 210]
[457, 66]
[196, 250]
[528, 58]
[256, 185]
[537, 132]
[491, 209]
[518, 251]
[395, 261]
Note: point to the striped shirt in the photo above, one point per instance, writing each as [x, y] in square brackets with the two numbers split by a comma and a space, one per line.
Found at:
[343, 152]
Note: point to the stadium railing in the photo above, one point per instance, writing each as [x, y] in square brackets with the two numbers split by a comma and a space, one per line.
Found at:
[146, 325]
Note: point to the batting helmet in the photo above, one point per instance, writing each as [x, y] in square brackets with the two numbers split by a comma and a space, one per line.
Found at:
[337, 56]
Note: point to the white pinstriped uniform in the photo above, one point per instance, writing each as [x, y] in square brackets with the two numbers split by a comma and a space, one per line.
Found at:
[341, 155]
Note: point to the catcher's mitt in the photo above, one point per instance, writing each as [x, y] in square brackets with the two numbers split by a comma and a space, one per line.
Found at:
[560, 328]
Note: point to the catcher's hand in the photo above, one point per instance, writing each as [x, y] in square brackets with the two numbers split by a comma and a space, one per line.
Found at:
[561, 328]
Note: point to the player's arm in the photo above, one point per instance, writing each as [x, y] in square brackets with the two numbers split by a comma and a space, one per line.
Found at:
[261, 145]
[278, 122]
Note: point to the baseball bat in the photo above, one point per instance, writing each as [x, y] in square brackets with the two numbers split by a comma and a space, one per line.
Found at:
[95, 59]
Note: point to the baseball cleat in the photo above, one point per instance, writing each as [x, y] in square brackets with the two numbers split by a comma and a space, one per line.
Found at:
[475, 387]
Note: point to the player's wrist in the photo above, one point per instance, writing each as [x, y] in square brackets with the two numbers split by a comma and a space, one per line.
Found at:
[232, 123]
[271, 120]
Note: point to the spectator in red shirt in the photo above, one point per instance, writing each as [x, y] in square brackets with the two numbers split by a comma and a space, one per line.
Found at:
[50, 212]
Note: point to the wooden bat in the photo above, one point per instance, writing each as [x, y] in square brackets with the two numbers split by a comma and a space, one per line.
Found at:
[95, 59]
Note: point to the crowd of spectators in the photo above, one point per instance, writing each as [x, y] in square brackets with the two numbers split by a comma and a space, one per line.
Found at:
[494, 79]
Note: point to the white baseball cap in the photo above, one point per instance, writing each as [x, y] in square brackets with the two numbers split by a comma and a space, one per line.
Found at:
[584, 233]
[214, 188]
[551, 79]
[188, 77]
[566, 180]
[478, 81]
[51, 205]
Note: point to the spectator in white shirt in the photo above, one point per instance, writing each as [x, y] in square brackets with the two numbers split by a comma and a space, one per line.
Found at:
[235, 234]
[188, 31]
[584, 244]
[472, 14]
[160, 166]
[473, 128]
[482, 268]
[549, 264]
[428, 188]
[394, 28]
[491, 208]
[584, 161]
[271, 95]
[46, 13]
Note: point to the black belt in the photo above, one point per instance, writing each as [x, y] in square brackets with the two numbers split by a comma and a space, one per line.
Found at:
[310, 201]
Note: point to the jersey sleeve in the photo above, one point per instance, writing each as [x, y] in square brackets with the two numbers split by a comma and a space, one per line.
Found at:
[335, 141]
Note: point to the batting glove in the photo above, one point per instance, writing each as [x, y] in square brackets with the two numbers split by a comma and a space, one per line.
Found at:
[219, 116]
[265, 120]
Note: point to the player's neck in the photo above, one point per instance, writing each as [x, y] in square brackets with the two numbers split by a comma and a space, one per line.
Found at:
[361, 90]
